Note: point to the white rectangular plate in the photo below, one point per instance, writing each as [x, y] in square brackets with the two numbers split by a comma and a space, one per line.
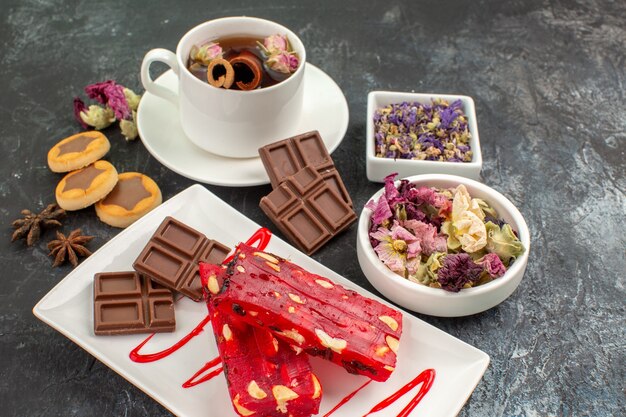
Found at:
[68, 308]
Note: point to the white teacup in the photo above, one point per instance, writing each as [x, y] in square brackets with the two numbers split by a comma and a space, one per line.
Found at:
[230, 123]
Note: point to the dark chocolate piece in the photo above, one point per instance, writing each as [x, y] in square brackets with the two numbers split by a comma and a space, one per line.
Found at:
[286, 157]
[127, 303]
[171, 257]
[307, 210]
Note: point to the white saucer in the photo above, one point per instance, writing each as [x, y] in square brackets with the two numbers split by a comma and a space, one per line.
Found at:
[325, 109]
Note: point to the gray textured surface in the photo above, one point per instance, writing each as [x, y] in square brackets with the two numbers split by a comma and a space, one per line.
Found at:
[548, 78]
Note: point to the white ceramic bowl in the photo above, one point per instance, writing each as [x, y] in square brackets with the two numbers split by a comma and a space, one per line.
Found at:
[378, 168]
[435, 301]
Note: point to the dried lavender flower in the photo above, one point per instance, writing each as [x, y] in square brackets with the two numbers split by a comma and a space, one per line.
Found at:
[435, 132]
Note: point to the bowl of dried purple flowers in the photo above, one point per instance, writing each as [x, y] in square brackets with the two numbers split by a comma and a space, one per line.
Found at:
[442, 245]
[413, 134]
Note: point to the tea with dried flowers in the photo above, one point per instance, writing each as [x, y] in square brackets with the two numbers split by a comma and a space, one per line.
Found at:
[431, 132]
[244, 63]
[441, 238]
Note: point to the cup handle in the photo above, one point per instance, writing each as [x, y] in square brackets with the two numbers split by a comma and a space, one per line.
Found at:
[169, 59]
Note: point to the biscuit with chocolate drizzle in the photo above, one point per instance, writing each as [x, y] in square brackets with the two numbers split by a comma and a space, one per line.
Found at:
[82, 188]
[134, 195]
[78, 151]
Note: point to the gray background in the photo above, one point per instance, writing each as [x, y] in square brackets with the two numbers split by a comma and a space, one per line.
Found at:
[548, 79]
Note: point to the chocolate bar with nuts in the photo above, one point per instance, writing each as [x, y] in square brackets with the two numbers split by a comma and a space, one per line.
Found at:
[171, 257]
[307, 210]
[127, 303]
[284, 158]
[309, 311]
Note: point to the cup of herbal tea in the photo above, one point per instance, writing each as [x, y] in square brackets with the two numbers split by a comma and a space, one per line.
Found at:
[240, 84]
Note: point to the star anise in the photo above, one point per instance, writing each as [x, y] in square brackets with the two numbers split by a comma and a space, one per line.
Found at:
[30, 226]
[70, 247]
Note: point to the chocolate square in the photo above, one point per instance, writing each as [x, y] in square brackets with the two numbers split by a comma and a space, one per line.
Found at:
[171, 257]
[285, 158]
[308, 210]
[127, 303]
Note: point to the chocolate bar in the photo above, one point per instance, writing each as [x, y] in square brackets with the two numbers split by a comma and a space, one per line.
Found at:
[171, 257]
[309, 311]
[128, 303]
[307, 209]
[285, 158]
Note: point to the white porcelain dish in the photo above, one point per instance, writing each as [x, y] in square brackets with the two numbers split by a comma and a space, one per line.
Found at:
[378, 168]
[324, 109]
[435, 301]
[68, 309]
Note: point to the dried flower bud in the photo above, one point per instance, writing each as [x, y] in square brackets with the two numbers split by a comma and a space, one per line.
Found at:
[284, 62]
[206, 53]
[79, 107]
[97, 91]
[275, 44]
[116, 100]
[132, 99]
[129, 127]
[110, 94]
[98, 117]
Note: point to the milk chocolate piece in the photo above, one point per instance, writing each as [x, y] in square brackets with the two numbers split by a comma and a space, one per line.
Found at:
[82, 179]
[171, 257]
[77, 144]
[286, 157]
[307, 209]
[128, 303]
[127, 193]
